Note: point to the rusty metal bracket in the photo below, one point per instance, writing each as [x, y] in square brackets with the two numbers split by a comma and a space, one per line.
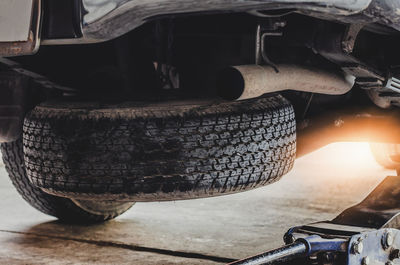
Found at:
[266, 29]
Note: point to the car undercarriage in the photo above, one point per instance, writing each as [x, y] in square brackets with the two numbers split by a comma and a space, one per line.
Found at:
[107, 103]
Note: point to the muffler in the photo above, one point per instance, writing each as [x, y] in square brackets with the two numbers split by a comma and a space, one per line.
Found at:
[250, 81]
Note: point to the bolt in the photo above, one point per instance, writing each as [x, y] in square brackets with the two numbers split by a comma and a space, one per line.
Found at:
[387, 240]
[357, 247]
[365, 261]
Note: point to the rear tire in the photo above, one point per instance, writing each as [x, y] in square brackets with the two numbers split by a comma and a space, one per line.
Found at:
[64, 209]
[387, 155]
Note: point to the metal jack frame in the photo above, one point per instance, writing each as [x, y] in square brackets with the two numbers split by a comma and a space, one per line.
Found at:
[365, 234]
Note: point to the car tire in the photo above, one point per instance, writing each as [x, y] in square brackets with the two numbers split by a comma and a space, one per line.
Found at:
[387, 155]
[159, 151]
[70, 211]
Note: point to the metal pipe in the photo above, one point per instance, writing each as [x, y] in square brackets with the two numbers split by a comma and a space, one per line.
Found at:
[275, 256]
[250, 81]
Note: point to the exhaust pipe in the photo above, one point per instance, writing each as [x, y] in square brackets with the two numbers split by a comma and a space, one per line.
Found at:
[250, 81]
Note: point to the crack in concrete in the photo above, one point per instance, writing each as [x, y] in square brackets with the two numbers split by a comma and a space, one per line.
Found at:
[102, 243]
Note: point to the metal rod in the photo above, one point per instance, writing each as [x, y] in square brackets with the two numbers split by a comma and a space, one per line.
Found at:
[275, 256]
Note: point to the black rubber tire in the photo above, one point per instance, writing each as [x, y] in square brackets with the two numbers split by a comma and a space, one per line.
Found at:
[64, 209]
[160, 151]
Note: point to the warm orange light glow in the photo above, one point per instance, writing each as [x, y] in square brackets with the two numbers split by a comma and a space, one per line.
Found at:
[344, 159]
[353, 154]
[336, 176]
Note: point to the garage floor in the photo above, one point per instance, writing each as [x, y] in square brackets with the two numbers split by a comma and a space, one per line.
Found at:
[204, 231]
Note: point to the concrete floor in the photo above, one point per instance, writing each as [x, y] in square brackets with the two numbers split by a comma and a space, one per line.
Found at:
[203, 231]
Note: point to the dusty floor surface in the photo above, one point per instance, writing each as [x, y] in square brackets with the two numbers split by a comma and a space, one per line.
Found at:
[204, 231]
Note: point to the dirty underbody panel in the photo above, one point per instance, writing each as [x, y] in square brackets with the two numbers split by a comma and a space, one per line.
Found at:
[104, 20]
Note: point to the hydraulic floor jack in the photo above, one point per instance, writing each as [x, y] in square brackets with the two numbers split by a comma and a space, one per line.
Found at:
[365, 234]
